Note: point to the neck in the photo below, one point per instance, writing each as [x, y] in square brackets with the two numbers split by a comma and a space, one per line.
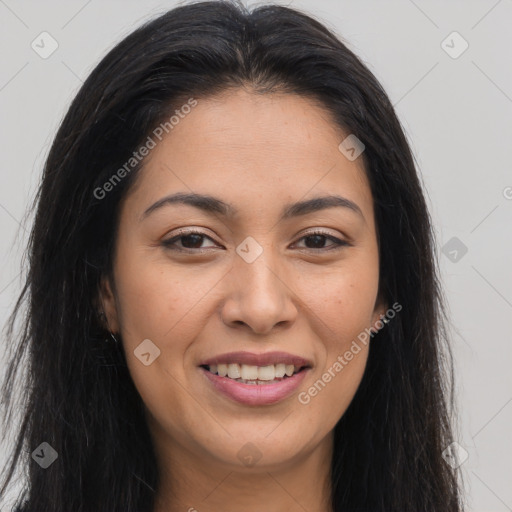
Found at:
[191, 483]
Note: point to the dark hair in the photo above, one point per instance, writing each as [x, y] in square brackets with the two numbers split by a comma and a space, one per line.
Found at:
[78, 393]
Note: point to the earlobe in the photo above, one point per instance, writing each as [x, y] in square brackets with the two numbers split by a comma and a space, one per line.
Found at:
[107, 306]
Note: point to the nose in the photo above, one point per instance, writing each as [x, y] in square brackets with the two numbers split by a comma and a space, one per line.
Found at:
[261, 295]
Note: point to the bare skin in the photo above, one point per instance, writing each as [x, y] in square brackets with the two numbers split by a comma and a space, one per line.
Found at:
[257, 153]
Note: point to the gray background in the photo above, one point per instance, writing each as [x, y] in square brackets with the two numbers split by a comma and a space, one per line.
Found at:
[456, 113]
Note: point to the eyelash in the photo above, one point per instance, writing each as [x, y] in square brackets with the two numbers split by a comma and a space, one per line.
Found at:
[169, 243]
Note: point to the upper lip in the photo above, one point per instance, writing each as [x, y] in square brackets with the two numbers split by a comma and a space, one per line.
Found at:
[253, 359]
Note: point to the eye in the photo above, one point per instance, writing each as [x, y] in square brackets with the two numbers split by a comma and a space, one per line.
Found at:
[191, 241]
[318, 238]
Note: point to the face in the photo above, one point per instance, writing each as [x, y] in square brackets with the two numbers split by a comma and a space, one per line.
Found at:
[258, 285]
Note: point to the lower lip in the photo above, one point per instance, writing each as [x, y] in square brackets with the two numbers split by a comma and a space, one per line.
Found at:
[256, 394]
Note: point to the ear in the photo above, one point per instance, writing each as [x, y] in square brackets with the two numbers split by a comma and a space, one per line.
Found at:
[381, 306]
[108, 306]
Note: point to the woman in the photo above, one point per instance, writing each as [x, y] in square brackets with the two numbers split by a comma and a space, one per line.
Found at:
[295, 361]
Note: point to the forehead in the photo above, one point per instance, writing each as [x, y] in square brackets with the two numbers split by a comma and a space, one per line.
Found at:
[248, 148]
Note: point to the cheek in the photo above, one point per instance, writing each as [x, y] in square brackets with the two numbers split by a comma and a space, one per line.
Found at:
[162, 305]
[330, 393]
[168, 305]
[341, 303]
[342, 307]
[159, 300]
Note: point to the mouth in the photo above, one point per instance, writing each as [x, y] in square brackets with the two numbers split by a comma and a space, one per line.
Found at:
[256, 379]
[254, 375]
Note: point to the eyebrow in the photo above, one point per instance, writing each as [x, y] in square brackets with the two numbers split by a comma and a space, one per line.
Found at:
[212, 205]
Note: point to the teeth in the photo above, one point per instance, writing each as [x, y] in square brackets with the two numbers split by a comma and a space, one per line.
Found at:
[234, 371]
[222, 369]
[251, 373]
[266, 372]
[280, 370]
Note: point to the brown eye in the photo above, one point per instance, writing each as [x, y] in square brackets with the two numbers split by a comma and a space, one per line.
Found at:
[316, 240]
[191, 241]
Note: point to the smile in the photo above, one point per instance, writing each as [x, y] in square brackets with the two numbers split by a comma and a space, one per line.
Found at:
[250, 374]
[255, 379]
